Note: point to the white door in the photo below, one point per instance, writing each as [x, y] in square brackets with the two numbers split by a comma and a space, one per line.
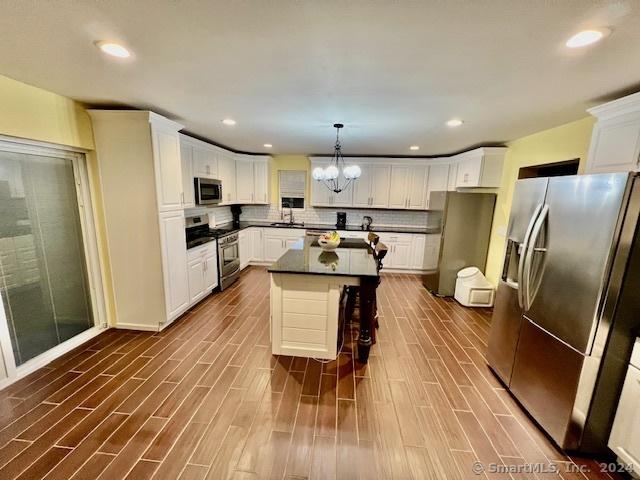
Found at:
[380, 186]
[453, 177]
[210, 271]
[469, 171]
[398, 186]
[438, 181]
[244, 180]
[205, 162]
[320, 194]
[168, 169]
[416, 187]
[257, 244]
[227, 173]
[196, 280]
[615, 146]
[174, 263]
[417, 252]
[625, 434]
[186, 158]
[245, 247]
[402, 254]
[362, 191]
[260, 182]
[273, 247]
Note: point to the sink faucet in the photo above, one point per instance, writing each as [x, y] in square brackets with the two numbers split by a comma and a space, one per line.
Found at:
[291, 219]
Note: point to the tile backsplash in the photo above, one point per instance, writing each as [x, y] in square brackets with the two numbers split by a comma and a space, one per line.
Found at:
[217, 215]
[392, 218]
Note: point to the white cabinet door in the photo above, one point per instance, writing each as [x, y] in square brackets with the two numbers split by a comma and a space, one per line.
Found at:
[438, 181]
[186, 158]
[417, 251]
[345, 197]
[174, 263]
[615, 145]
[399, 253]
[362, 189]
[210, 271]
[625, 434]
[196, 280]
[469, 171]
[320, 194]
[416, 187]
[205, 161]
[257, 244]
[453, 176]
[227, 173]
[244, 180]
[380, 176]
[168, 169]
[273, 247]
[261, 180]
[398, 186]
[244, 240]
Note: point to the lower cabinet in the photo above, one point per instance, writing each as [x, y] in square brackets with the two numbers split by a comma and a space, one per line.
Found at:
[202, 266]
[245, 241]
[276, 241]
[257, 244]
[174, 262]
[399, 253]
[625, 434]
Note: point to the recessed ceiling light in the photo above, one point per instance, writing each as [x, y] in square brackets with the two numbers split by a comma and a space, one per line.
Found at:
[586, 37]
[414, 147]
[229, 121]
[113, 49]
[267, 145]
[454, 122]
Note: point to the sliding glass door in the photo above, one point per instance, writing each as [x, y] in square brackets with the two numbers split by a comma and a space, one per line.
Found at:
[43, 269]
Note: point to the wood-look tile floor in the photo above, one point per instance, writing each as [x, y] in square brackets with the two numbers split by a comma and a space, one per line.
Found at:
[205, 399]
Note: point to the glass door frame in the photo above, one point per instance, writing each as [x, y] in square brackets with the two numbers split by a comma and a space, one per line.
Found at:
[87, 215]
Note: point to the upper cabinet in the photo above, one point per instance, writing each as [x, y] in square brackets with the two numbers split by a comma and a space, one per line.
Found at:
[321, 196]
[253, 179]
[167, 164]
[371, 190]
[261, 179]
[227, 175]
[615, 141]
[205, 161]
[186, 158]
[480, 168]
[438, 180]
[244, 179]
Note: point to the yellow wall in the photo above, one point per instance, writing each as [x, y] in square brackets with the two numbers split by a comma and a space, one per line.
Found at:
[565, 142]
[288, 162]
[35, 114]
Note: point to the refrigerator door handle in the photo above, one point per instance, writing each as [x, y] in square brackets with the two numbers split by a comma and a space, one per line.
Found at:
[522, 250]
[531, 248]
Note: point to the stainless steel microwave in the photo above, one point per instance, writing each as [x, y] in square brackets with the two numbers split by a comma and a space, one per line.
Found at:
[207, 190]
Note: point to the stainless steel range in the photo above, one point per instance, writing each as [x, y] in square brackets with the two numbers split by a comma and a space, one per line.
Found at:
[228, 258]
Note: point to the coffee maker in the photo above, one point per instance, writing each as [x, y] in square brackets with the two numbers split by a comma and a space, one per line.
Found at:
[236, 211]
[341, 221]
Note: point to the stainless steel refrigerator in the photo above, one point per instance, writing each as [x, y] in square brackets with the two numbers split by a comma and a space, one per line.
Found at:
[568, 244]
[465, 221]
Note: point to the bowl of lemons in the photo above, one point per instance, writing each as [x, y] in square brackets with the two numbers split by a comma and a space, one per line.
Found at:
[329, 241]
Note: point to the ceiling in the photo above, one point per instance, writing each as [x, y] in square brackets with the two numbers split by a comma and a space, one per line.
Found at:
[393, 71]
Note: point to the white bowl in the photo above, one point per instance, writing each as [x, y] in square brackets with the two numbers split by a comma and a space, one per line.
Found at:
[328, 245]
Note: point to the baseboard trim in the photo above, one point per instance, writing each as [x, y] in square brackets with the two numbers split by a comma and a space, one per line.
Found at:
[50, 355]
[137, 326]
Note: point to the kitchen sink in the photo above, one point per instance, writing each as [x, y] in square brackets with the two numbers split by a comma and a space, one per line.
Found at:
[287, 224]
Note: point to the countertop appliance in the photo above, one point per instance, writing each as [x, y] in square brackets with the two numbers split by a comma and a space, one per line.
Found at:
[228, 256]
[197, 230]
[465, 225]
[341, 219]
[558, 309]
[207, 191]
[366, 223]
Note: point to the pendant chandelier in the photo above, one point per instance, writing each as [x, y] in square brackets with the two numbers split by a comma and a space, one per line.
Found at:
[330, 175]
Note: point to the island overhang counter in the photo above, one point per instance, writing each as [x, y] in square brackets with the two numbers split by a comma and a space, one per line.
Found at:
[305, 298]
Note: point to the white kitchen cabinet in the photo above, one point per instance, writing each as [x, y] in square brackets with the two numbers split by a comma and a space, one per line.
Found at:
[244, 241]
[438, 181]
[205, 160]
[321, 196]
[615, 141]
[174, 256]
[407, 186]
[398, 186]
[167, 166]
[453, 176]
[278, 240]
[202, 266]
[480, 168]
[257, 244]
[416, 187]
[227, 174]
[371, 190]
[417, 251]
[186, 158]
[244, 179]
[261, 180]
[625, 434]
[399, 250]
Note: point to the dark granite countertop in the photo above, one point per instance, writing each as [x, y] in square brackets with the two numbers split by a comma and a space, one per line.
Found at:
[324, 227]
[352, 258]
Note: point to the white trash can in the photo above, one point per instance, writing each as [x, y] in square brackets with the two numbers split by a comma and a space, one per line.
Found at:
[473, 289]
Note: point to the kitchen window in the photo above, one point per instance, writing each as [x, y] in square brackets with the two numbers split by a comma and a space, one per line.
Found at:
[293, 185]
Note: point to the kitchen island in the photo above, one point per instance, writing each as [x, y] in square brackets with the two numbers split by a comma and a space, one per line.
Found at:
[307, 284]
